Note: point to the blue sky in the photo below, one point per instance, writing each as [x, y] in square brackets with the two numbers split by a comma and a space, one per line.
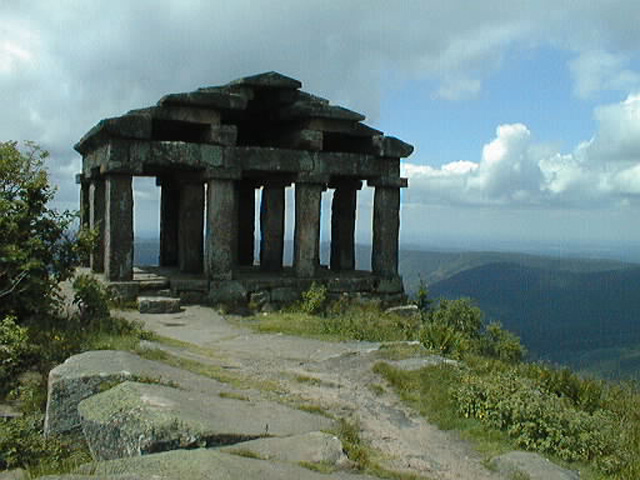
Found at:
[525, 115]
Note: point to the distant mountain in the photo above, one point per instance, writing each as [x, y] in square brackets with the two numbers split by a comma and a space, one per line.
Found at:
[561, 315]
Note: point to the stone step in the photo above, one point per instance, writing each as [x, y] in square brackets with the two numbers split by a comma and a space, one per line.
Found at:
[156, 304]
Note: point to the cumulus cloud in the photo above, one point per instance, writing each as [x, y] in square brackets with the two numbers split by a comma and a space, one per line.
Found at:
[595, 71]
[514, 170]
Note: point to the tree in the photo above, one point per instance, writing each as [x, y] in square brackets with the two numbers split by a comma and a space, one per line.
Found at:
[36, 249]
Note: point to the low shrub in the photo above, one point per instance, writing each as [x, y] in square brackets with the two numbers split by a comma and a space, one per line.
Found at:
[15, 351]
[314, 300]
[91, 297]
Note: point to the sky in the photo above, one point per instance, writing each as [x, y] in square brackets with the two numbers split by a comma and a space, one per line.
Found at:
[525, 116]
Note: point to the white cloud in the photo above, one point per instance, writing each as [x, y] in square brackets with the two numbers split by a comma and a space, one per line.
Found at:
[513, 170]
[594, 71]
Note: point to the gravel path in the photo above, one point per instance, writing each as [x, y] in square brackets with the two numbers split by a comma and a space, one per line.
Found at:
[334, 376]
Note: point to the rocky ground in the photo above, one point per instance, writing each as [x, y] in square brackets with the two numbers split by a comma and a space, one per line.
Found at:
[264, 414]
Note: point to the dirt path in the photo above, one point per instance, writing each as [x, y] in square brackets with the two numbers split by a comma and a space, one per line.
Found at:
[334, 376]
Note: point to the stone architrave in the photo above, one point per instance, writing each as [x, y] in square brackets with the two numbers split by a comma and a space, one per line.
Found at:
[118, 233]
[169, 222]
[272, 226]
[386, 226]
[306, 256]
[246, 222]
[343, 224]
[96, 223]
[222, 228]
[190, 227]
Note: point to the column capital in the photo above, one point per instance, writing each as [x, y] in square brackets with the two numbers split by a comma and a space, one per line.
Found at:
[345, 182]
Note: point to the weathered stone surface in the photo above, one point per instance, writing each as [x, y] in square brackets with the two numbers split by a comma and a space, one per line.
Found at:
[227, 292]
[285, 295]
[410, 364]
[158, 304]
[17, 474]
[272, 227]
[136, 419]
[259, 299]
[191, 227]
[118, 230]
[404, 310]
[222, 229]
[85, 374]
[306, 255]
[386, 227]
[533, 466]
[268, 80]
[205, 464]
[390, 285]
[316, 447]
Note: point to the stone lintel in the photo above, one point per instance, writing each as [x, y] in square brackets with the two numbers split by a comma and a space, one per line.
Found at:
[269, 159]
[391, 147]
[268, 80]
[132, 126]
[345, 182]
[306, 257]
[207, 99]
[348, 127]
[304, 109]
[118, 243]
[226, 135]
[228, 173]
[301, 140]
[181, 113]
[392, 182]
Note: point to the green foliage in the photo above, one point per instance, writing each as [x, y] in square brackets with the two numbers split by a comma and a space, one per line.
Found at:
[14, 351]
[456, 327]
[36, 250]
[422, 301]
[314, 300]
[91, 297]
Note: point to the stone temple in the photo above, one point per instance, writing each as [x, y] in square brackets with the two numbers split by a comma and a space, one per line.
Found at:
[210, 150]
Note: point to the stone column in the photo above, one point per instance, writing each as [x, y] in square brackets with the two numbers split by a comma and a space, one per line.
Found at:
[118, 245]
[190, 227]
[272, 226]
[222, 229]
[386, 226]
[343, 224]
[96, 223]
[169, 222]
[246, 222]
[84, 210]
[306, 245]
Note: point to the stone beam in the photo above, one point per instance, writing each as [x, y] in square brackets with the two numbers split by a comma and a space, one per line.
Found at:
[190, 227]
[386, 227]
[272, 226]
[306, 257]
[118, 233]
[222, 229]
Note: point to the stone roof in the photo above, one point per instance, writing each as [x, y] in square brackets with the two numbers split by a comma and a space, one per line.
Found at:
[264, 112]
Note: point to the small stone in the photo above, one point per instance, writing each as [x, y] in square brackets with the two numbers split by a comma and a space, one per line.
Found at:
[158, 304]
[17, 474]
[534, 466]
[404, 310]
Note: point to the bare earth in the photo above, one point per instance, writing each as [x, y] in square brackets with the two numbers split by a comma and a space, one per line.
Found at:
[334, 376]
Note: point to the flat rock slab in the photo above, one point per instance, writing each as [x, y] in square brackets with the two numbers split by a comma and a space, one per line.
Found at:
[134, 419]
[314, 447]
[88, 373]
[158, 304]
[534, 466]
[416, 363]
[205, 464]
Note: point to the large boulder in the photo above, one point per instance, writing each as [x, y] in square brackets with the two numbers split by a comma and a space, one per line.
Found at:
[88, 373]
[531, 466]
[207, 464]
[135, 419]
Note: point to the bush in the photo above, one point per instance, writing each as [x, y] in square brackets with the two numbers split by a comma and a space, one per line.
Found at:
[314, 300]
[14, 352]
[501, 344]
[538, 420]
[91, 297]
